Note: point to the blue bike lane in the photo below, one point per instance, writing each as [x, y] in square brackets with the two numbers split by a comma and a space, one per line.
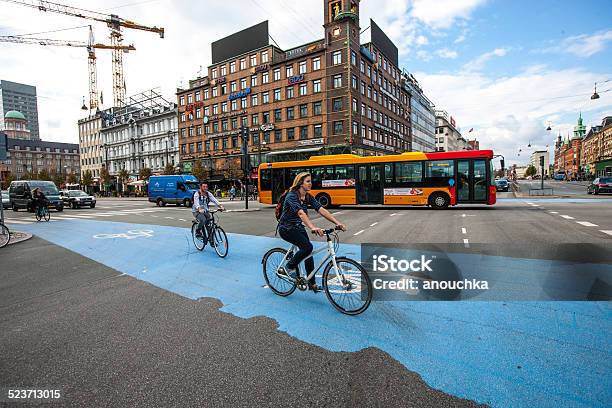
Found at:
[506, 354]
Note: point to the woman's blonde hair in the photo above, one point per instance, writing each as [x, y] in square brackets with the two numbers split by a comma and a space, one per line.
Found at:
[298, 181]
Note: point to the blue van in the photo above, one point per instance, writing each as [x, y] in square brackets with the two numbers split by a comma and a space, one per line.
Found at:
[175, 189]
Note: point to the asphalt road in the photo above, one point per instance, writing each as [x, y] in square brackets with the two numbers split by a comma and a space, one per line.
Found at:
[563, 188]
[107, 339]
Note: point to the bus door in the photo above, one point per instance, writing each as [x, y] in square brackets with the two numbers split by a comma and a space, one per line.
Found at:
[278, 184]
[472, 181]
[369, 184]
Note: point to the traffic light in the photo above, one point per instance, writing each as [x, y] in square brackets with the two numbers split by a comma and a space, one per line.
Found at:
[502, 164]
[541, 161]
[244, 149]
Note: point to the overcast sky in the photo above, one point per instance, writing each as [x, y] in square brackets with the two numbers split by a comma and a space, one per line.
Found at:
[504, 68]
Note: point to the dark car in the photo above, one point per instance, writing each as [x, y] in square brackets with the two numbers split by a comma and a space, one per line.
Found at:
[78, 198]
[502, 185]
[20, 194]
[600, 185]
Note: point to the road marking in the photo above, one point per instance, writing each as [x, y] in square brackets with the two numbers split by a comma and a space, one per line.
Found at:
[463, 215]
[466, 242]
[587, 224]
[9, 221]
[180, 219]
[534, 205]
[609, 232]
[154, 216]
[359, 232]
[529, 203]
[567, 217]
[554, 212]
[391, 215]
[337, 213]
[371, 225]
[169, 218]
[463, 231]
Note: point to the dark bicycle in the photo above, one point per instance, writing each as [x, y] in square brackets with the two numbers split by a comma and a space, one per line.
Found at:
[5, 235]
[42, 213]
[216, 236]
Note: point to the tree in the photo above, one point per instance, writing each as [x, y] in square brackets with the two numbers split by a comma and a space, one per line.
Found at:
[531, 171]
[144, 174]
[105, 176]
[169, 169]
[7, 181]
[44, 175]
[199, 171]
[121, 178]
[59, 180]
[87, 179]
[71, 179]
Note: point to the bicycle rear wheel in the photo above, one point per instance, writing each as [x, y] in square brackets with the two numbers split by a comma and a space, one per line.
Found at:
[219, 242]
[5, 235]
[46, 215]
[197, 241]
[38, 215]
[349, 288]
[280, 284]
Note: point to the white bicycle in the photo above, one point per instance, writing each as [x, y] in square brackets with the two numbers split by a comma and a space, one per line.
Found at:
[346, 283]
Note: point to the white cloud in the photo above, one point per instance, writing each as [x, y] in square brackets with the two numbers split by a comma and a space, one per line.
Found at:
[507, 113]
[422, 40]
[423, 55]
[583, 45]
[478, 63]
[443, 13]
[446, 53]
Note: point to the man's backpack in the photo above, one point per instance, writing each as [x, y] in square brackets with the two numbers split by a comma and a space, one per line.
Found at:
[207, 198]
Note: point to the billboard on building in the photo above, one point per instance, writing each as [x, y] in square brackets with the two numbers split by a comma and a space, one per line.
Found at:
[241, 42]
[383, 43]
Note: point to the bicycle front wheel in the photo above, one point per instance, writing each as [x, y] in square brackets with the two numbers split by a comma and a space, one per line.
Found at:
[197, 241]
[220, 242]
[46, 215]
[348, 287]
[38, 215]
[280, 283]
[5, 235]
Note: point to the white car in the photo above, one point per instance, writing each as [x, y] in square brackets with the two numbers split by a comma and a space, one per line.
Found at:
[79, 198]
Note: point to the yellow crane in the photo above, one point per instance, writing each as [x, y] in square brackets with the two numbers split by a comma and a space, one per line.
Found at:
[113, 21]
[91, 47]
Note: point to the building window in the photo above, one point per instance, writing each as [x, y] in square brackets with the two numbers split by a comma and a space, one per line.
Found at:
[182, 100]
[278, 136]
[215, 109]
[242, 63]
[303, 89]
[289, 92]
[183, 149]
[235, 104]
[337, 81]
[337, 104]
[353, 58]
[277, 94]
[253, 80]
[277, 115]
[232, 67]
[266, 117]
[216, 144]
[337, 57]
[316, 108]
[316, 86]
[215, 92]
[224, 107]
[243, 103]
[303, 67]
[290, 134]
[266, 137]
[277, 74]
[223, 125]
[223, 89]
[205, 94]
[197, 96]
[362, 66]
[338, 127]
[303, 110]
[214, 73]
[289, 71]
[316, 63]
[223, 70]
[199, 131]
[244, 121]
[253, 60]
[369, 72]
[318, 130]
[355, 128]
[198, 113]
[234, 123]
[224, 143]
[264, 57]
[290, 115]
[304, 132]
[233, 86]
[265, 97]
[265, 77]
[255, 119]
[254, 100]
[243, 83]
[354, 105]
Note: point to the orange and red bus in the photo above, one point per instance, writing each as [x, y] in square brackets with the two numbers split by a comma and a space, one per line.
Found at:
[438, 179]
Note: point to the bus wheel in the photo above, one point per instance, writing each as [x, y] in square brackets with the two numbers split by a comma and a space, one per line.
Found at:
[439, 201]
[324, 200]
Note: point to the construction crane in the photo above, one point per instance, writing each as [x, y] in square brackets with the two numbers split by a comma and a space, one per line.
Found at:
[113, 21]
[91, 47]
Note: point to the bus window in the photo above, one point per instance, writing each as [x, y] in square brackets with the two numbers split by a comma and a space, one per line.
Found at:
[346, 172]
[408, 172]
[319, 174]
[439, 172]
[389, 174]
[295, 172]
[266, 179]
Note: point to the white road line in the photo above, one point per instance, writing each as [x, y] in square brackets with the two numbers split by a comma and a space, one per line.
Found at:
[180, 219]
[169, 218]
[359, 232]
[392, 215]
[554, 212]
[567, 217]
[529, 203]
[463, 215]
[463, 231]
[154, 216]
[371, 225]
[609, 232]
[587, 224]
[9, 221]
[337, 213]
[466, 242]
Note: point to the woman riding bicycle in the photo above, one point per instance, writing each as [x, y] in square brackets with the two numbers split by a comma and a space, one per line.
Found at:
[292, 220]
[39, 200]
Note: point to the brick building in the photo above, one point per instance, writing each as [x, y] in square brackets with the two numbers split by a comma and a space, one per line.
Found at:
[596, 154]
[332, 95]
[568, 153]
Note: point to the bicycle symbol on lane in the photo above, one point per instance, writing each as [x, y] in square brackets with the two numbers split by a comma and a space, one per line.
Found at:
[133, 234]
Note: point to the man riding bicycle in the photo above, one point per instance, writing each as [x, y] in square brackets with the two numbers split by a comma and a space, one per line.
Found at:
[200, 210]
[292, 220]
[39, 200]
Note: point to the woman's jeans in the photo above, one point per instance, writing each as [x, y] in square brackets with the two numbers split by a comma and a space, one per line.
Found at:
[297, 236]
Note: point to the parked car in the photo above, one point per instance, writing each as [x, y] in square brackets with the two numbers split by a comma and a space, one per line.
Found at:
[600, 185]
[6, 201]
[78, 198]
[20, 194]
[502, 184]
[175, 189]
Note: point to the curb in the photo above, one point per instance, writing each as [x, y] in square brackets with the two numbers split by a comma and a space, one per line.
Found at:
[24, 236]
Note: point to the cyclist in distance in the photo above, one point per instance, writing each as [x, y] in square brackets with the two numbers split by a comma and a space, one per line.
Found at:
[200, 209]
[291, 224]
[39, 199]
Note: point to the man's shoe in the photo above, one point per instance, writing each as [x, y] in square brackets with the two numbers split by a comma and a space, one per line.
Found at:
[315, 288]
[283, 270]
